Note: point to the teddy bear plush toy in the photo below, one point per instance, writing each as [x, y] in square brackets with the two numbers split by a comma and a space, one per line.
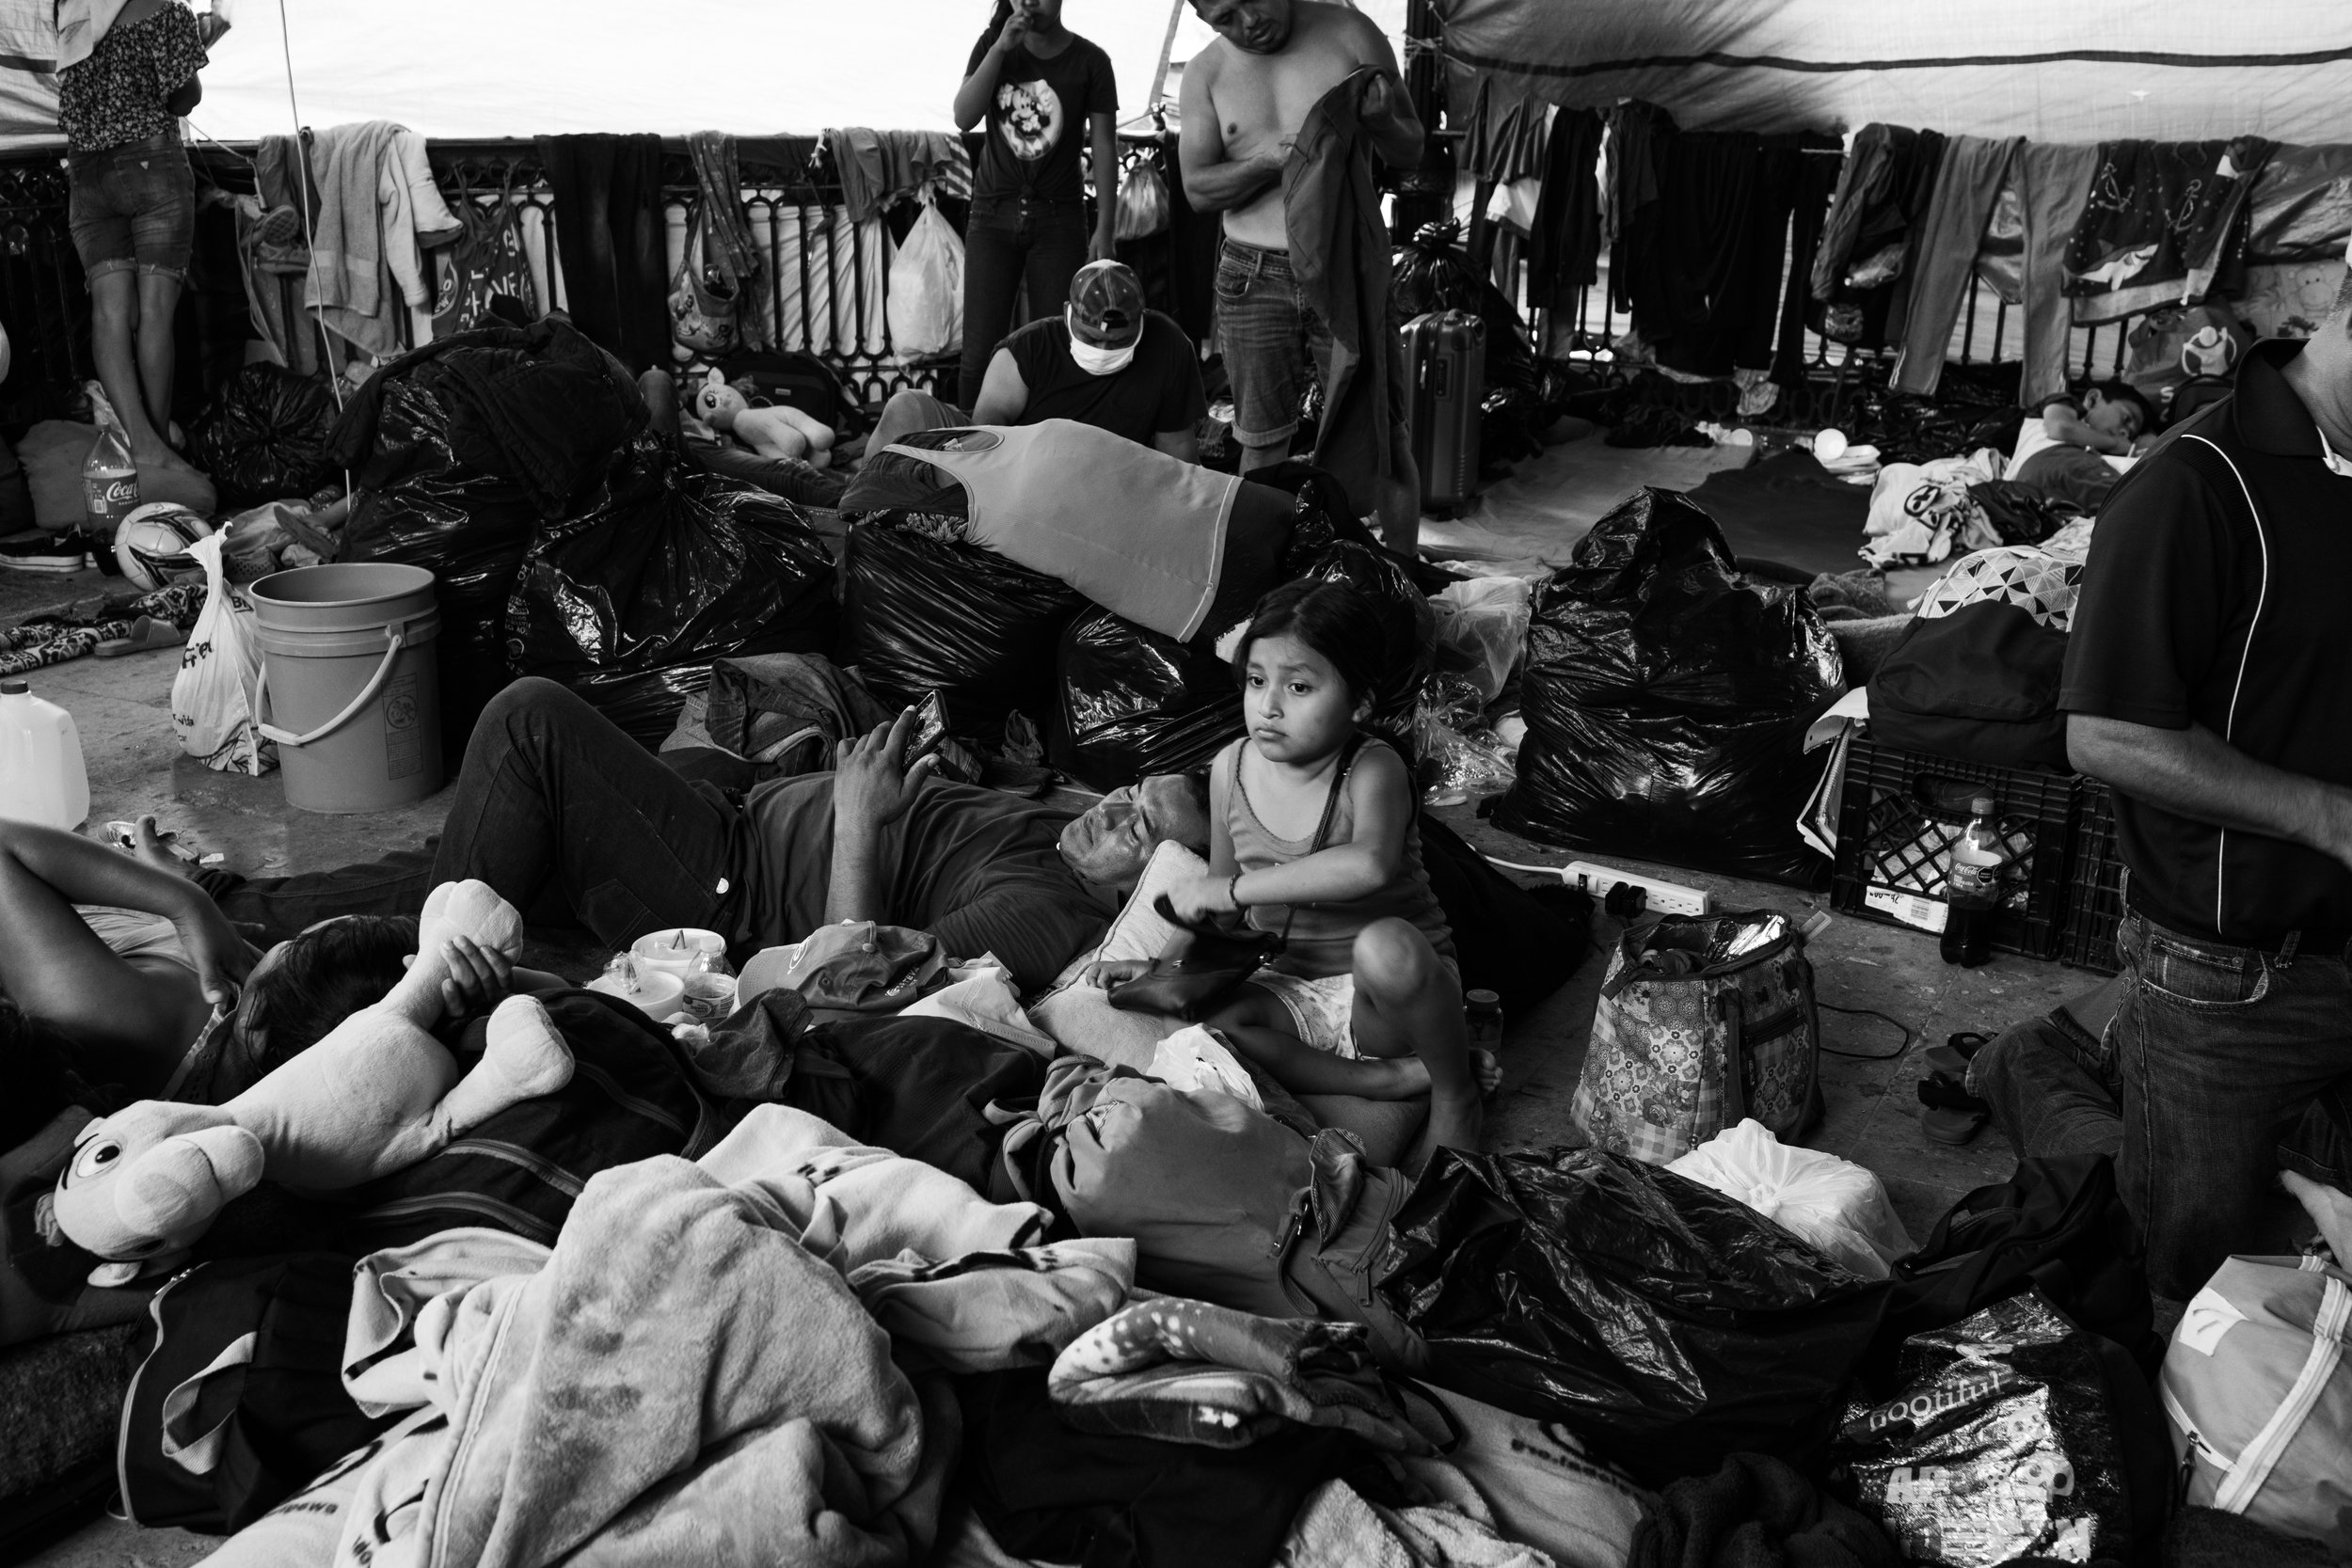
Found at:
[779, 431]
[377, 1093]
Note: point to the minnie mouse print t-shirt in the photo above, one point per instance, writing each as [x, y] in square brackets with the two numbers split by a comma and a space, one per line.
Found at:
[1037, 120]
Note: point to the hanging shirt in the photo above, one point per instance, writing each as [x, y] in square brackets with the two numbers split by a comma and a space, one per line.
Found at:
[118, 94]
[1037, 120]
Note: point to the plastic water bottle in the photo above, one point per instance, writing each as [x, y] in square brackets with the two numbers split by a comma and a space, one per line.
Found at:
[110, 483]
[41, 777]
[1972, 888]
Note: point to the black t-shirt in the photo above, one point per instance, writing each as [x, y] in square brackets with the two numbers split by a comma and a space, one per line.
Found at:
[1159, 389]
[1037, 120]
[2196, 609]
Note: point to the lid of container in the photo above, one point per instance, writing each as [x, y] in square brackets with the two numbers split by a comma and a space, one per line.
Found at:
[1483, 998]
[1982, 805]
[15, 687]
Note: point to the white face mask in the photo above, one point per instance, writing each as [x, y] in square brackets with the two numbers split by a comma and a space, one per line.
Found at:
[1098, 361]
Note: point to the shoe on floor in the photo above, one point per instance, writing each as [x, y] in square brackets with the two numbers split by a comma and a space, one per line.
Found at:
[56, 553]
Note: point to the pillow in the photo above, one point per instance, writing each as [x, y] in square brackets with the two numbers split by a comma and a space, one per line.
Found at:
[1081, 1017]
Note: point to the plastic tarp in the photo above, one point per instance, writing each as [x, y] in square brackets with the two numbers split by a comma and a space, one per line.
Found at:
[2101, 70]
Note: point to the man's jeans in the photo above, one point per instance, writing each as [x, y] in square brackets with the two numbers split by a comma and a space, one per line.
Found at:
[1007, 240]
[2221, 1052]
[554, 800]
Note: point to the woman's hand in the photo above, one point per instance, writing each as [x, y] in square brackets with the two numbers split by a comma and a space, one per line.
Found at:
[1016, 30]
[1111, 973]
[871, 786]
[221, 955]
[1202, 898]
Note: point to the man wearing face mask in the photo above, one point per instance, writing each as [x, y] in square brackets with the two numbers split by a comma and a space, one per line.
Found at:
[1106, 361]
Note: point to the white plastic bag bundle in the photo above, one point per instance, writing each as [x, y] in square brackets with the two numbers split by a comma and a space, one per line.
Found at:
[211, 698]
[926, 289]
[1834, 1204]
[1486, 619]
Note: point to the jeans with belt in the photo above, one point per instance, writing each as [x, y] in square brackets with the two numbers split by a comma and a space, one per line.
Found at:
[2222, 1052]
[1007, 240]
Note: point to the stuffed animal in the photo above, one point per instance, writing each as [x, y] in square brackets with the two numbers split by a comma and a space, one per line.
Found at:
[779, 431]
[377, 1095]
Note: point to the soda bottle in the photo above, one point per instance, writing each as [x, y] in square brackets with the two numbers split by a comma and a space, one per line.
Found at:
[1972, 888]
[1481, 1011]
[110, 483]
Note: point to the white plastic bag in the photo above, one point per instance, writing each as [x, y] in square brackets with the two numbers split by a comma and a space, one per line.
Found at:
[926, 289]
[211, 698]
[1486, 619]
[1834, 1204]
[1195, 1059]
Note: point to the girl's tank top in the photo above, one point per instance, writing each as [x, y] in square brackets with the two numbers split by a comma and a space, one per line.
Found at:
[1323, 936]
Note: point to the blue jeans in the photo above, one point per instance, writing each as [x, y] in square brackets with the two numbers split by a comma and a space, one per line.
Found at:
[2221, 1052]
[1275, 347]
[133, 206]
[1005, 240]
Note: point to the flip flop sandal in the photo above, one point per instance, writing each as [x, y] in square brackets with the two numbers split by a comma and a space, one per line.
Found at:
[1948, 1113]
[146, 633]
[1952, 1057]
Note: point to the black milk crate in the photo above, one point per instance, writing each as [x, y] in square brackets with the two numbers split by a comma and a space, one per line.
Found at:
[1897, 822]
[2094, 886]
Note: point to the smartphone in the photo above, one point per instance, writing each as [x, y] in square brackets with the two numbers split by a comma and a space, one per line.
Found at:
[931, 728]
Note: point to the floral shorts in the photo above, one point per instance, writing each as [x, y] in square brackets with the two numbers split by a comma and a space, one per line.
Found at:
[1322, 1011]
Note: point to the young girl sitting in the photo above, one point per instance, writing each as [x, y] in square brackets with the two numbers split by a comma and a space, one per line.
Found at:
[1366, 997]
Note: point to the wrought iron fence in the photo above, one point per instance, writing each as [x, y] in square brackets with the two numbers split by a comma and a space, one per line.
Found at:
[43, 302]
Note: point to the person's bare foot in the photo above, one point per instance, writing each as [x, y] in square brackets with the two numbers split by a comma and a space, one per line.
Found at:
[1455, 1121]
[2330, 1207]
[148, 843]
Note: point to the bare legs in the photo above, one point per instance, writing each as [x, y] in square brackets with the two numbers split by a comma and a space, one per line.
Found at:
[130, 338]
[1409, 1032]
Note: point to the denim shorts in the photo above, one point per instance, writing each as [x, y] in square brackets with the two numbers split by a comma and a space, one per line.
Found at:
[1275, 346]
[134, 206]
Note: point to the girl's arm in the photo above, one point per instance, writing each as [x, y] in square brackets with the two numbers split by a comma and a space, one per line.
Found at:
[1221, 862]
[1382, 796]
[972, 96]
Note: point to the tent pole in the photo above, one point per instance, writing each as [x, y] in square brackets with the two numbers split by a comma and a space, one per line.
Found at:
[1167, 50]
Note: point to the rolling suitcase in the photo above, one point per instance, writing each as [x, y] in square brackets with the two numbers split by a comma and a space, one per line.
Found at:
[1445, 361]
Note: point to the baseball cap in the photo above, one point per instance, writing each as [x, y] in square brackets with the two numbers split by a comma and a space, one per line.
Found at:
[1106, 302]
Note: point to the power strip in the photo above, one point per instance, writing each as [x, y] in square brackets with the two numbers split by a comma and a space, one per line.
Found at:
[1661, 896]
[1664, 898]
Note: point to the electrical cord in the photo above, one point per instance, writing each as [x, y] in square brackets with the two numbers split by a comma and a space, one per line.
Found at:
[1870, 1012]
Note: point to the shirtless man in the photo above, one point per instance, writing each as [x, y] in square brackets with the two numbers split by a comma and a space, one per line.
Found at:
[1246, 98]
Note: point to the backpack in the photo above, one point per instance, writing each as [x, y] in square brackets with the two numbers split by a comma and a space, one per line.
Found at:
[1688, 1042]
[630, 1098]
[1981, 684]
[241, 1403]
[2259, 1398]
[2058, 1225]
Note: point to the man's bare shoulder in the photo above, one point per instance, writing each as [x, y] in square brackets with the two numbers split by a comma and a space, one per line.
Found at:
[1338, 26]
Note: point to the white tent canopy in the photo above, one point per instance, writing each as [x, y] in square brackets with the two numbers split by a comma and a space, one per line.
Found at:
[484, 69]
[2073, 71]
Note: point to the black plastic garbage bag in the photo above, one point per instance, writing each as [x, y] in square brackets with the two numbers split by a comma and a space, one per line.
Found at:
[920, 614]
[264, 438]
[629, 603]
[2013, 1435]
[459, 450]
[1668, 1323]
[1667, 698]
[1133, 701]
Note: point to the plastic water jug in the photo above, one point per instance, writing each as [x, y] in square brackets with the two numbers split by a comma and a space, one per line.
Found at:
[41, 777]
[110, 483]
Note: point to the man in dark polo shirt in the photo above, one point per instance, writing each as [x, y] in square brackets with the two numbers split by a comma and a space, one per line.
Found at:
[1103, 361]
[2209, 683]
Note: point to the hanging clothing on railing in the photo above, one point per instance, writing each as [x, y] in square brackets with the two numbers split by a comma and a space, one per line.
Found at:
[1861, 271]
[879, 166]
[1506, 139]
[2053, 184]
[376, 203]
[1945, 253]
[729, 246]
[1636, 134]
[608, 235]
[275, 252]
[2300, 208]
[1564, 245]
[1816, 175]
[2164, 220]
[1700, 266]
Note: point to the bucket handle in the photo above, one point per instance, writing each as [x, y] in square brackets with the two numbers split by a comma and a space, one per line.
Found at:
[395, 633]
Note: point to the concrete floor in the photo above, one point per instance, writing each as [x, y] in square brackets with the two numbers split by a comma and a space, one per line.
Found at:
[123, 707]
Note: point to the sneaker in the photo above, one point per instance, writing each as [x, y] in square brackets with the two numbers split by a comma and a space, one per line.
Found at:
[58, 553]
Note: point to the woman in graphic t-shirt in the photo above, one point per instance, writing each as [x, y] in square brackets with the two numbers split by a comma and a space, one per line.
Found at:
[1036, 83]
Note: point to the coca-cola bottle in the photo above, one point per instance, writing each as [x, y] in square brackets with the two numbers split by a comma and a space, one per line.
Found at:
[110, 484]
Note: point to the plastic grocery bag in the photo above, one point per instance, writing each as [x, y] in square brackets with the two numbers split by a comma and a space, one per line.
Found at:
[1836, 1205]
[1484, 620]
[1668, 1324]
[927, 288]
[212, 697]
[2010, 1434]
